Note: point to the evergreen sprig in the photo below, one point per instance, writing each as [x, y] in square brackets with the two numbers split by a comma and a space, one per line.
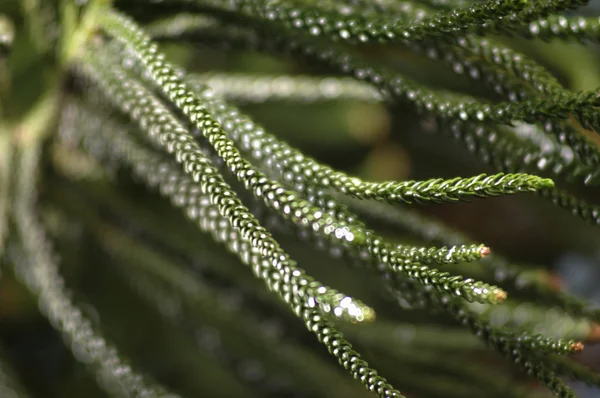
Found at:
[34, 264]
[170, 134]
[502, 340]
[475, 134]
[181, 189]
[355, 28]
[131, 117]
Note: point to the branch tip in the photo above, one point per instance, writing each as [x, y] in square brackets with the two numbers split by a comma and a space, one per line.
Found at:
[485, 251]
[501, 296]
[577, 346]
[546, 183]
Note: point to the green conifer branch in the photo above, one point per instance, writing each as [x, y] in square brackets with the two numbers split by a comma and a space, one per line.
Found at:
[550, 380]
[435, 190]
[469, 289]
[494, 155]
[309, 177]
[535, 341]
[467, 48]
[403, 11]
[571, 368]
[314, 20]
[145, 267]
[499, 153]
[502, 157]
[513, 277]
[172, 182]
[540, 126]
[357, 333]
[546, 321]
[135, 37]
[166, 131]
[497, 60]
[242, 88]
[508, 343]
[512, 62]
[244, 37]
[447, 106]
[446, 4]
[502, 339]
[422, 360]
[588, 152]
[263, 88]
[578, 207]
[530, 14]
[34, 264]
[584, 29]
[399, 258]
[153, 171]
[567, 167]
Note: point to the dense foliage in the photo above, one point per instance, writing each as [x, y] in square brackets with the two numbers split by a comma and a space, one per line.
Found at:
[134, 186]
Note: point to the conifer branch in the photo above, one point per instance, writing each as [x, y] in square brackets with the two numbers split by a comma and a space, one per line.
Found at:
[356, 28]
[511, 276]
[296, 167]
[551, 344]
[166, 131]
[550, 380]
[445, 4]
[238, 125]
[435, 190]
[499, 156]
[578, 207]
[570, 368]
[148, 272]
[445, 106]
[35, 266]
[301, 286]
[584, 29]
[259, 89]
[181, 189]
[531, 13]
[123, 105]
[468, 48]
[551, 322]
[504, 340]
[553, 163]
[397, 88]
[469, 289]
[499, 339]
[241, 88]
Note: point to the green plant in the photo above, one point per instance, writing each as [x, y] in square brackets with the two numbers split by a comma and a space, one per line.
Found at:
[87, 97]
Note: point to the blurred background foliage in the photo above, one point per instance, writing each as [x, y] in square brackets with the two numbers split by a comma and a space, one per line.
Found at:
[370, 140]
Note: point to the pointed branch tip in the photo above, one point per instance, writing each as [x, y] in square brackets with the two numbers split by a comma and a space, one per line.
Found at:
[485, 251]
[547, 183]
[501, 296]
[577, 346]
[369, 315]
